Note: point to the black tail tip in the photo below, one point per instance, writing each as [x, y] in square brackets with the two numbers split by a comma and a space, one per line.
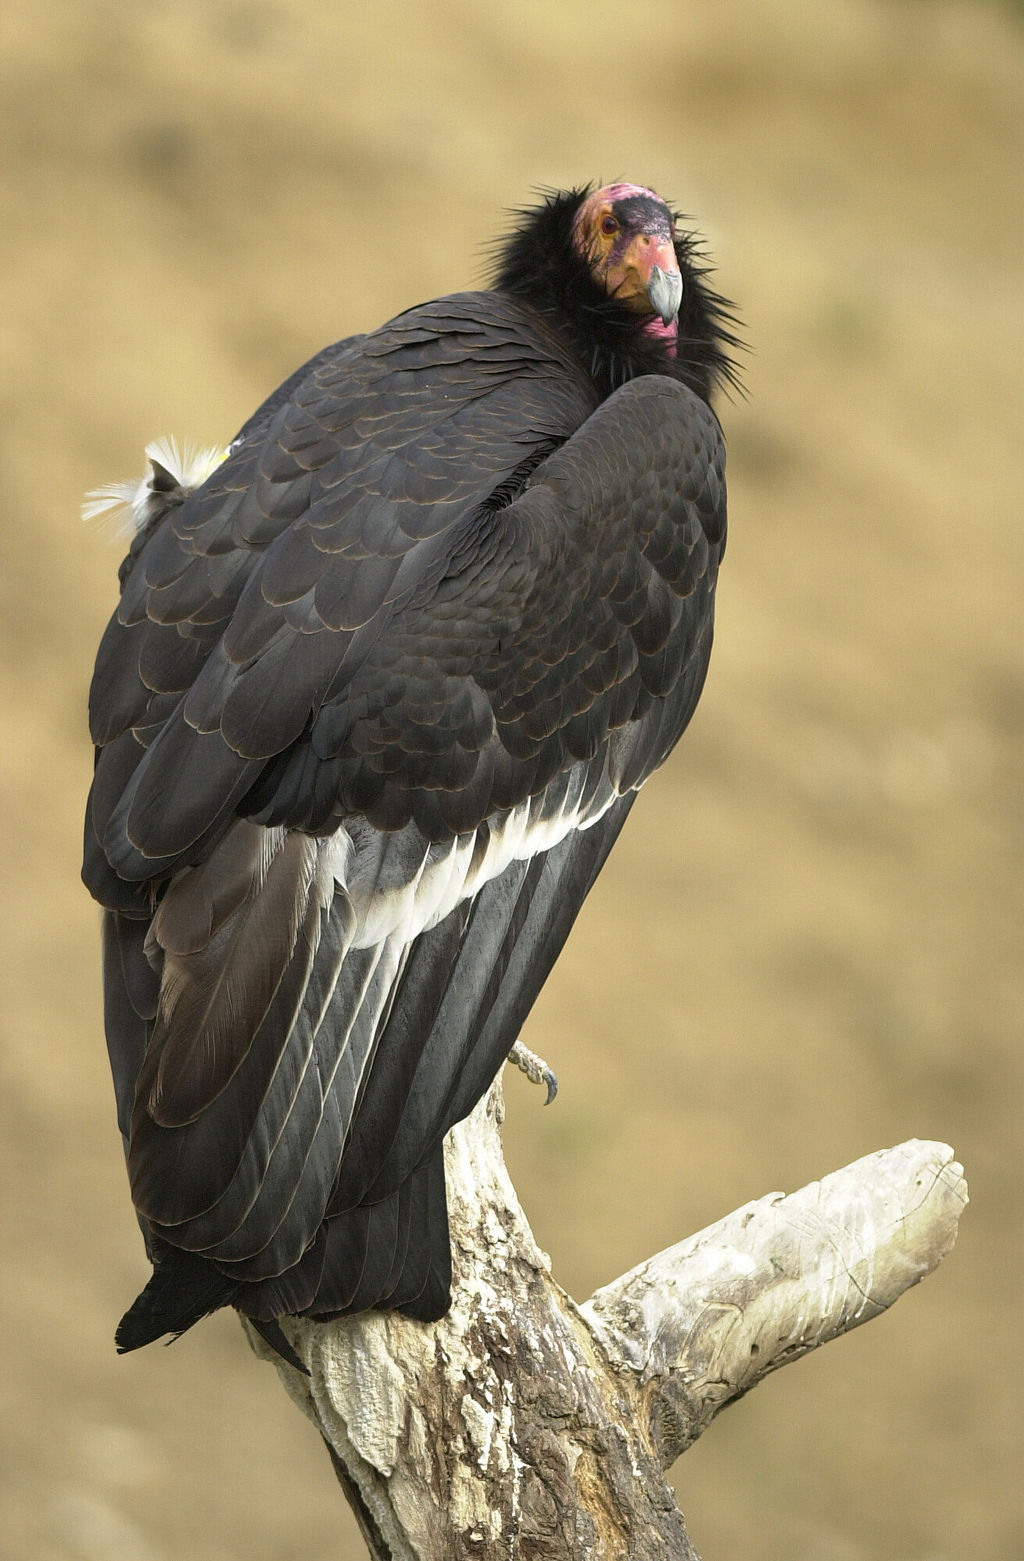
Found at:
[183, 1289]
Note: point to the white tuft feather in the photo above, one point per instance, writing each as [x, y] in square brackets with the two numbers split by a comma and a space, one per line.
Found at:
[127, 507]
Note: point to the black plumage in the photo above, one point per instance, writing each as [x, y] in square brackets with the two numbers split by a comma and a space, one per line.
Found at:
[373, 708]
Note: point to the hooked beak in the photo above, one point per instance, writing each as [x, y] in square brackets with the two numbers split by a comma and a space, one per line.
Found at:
[665, 290]
[647, 278]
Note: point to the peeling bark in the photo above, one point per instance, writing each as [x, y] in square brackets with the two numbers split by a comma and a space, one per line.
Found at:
[524, 1426]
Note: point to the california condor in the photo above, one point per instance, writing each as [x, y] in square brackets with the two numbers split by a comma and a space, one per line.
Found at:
[378, 696]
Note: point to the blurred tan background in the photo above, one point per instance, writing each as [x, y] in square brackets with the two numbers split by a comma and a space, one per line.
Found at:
[806, 945]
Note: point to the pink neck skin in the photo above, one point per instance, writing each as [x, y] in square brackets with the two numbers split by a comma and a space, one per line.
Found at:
[666, 334]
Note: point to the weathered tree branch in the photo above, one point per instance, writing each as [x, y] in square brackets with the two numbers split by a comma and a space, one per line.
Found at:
[522, 1425]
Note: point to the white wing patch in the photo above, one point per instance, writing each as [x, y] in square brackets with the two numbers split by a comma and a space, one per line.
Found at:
[398, 884]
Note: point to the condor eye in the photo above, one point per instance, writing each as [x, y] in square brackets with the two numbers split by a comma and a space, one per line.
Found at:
[609, 225]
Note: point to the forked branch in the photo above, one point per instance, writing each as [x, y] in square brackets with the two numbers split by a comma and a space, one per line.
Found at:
[524, 1426]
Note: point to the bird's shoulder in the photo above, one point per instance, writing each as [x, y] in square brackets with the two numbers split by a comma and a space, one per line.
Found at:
[377, 440]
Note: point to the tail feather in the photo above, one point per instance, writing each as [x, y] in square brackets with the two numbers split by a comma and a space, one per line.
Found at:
[271, 1332]
[183, 1290]
[395, 1255]
[425, 1291]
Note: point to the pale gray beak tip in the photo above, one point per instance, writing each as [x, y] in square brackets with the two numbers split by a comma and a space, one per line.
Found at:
[665, 290]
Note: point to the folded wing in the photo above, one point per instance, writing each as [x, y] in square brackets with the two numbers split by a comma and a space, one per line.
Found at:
[366, 772]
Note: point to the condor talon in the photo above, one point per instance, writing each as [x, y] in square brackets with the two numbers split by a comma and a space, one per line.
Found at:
[535, 1068]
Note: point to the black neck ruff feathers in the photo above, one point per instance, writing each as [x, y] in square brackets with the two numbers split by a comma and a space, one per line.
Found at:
[539, 262]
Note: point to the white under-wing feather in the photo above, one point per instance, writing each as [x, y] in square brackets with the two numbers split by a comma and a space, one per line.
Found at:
[450, 873]
[127, 507]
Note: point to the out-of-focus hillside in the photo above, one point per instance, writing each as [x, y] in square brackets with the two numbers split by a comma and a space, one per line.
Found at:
[807, 944]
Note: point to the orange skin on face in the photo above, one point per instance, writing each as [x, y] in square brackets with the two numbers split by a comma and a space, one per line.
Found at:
[621, 262]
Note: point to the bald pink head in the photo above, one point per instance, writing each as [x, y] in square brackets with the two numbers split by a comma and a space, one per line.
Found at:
[625, 232]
